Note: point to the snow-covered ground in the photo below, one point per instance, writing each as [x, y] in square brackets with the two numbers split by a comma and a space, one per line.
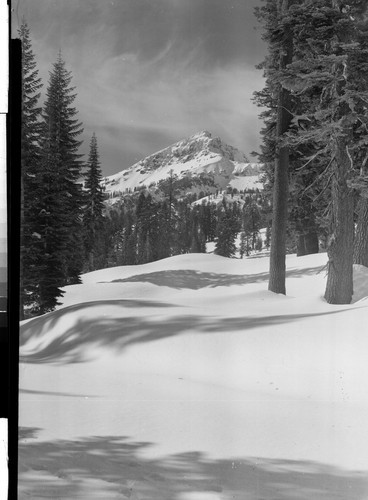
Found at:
[185, 379]
[246, 182]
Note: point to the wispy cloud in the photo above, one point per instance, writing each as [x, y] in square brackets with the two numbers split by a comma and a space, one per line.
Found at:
[148, 73]
[174, 99]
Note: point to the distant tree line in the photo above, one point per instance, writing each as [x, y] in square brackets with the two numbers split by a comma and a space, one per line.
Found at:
[142, 228]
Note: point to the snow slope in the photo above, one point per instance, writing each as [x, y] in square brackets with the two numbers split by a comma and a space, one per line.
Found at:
[185, 379]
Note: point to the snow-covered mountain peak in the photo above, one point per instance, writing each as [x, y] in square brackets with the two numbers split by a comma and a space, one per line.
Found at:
[204, 143]
[195, 157]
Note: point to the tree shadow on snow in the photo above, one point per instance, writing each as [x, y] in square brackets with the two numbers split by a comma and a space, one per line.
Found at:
[113, 467]
[25, 433]
[195, 280]
[41, 324]
[120, 333]
[55, 393]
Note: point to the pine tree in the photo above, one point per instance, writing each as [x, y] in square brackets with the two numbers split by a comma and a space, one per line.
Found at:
[278, 34]
[168, 216]
[259, 244]
[184, 228]
[30, 178]
[93, 206]
[117, 229]
[198, 240]
[245, 247]
[165, 239]
[60, 200]
[147, 229]
[251, 220]
[307, 199]
[227, 229]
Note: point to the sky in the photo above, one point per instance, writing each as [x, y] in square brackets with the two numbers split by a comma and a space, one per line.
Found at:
[149, 73]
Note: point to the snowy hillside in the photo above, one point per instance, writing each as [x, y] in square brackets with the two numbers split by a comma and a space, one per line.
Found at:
[185, 379]
[200, 154]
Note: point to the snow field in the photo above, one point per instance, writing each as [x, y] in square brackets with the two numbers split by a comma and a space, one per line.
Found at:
[186, 379]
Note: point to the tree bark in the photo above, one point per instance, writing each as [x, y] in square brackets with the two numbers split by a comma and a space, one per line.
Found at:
[339, 288]
[361, 235]
[281, 180]
[307, 233]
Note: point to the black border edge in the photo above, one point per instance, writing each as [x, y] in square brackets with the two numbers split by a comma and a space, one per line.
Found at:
[13, 205]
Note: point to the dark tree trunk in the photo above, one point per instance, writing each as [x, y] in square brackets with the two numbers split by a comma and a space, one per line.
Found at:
[281, 181]
[91, 260]
[361, 235]
[307, 243]
[339, 289]
[279, 222]
[307, 235]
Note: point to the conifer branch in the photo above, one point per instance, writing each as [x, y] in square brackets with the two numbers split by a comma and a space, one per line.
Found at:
[318, 178]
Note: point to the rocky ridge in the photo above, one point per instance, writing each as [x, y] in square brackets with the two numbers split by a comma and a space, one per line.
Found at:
[206, 160]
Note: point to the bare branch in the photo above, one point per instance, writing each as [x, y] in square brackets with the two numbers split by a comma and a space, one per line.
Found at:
[311, 159]
[350, 158]
[325, 187]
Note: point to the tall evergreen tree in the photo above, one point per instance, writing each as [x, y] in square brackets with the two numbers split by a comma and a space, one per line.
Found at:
[168, 215]
[251, 220]
[30, 179]
[93, 206]
[227, 229]
[60, 201]
[165, 238]
[147, 229]
[245, 246]
[198, 240]
[184, 228]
